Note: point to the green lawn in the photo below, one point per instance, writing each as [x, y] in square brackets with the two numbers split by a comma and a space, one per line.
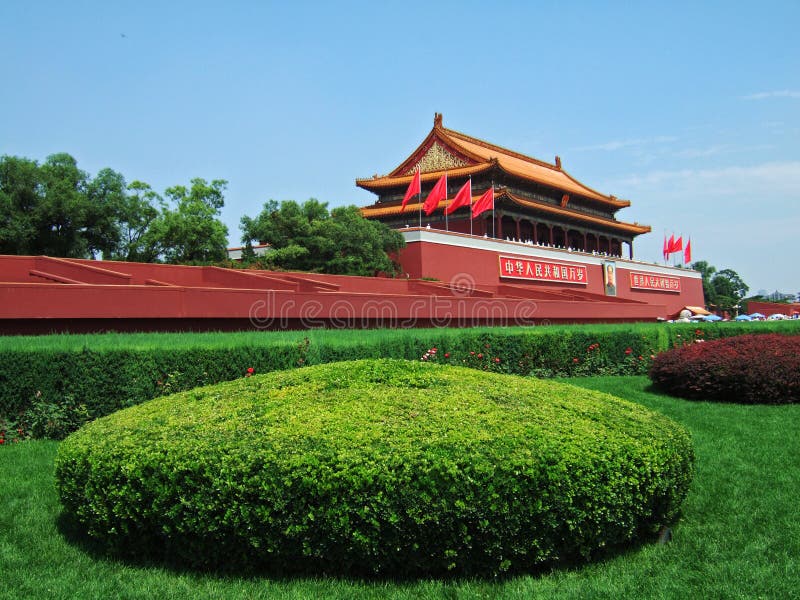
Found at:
[739, 536]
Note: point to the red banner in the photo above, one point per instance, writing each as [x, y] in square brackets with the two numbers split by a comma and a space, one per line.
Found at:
[542, 270]
[659, 283]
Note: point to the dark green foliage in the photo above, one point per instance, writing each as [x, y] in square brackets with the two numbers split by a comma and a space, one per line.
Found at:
[376, 467]
[104, 373]
[309, 238]
[56, 209]
[748, 369]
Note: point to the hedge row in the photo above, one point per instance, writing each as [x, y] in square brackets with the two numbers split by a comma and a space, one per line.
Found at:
[747, 369]
[375, 467]
[50, 390]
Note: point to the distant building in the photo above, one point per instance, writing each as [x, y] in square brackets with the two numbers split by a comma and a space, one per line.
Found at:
[259, 250]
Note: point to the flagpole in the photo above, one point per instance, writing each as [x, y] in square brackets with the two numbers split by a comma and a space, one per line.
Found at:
[470, 204]
[494, 233]
[419, 196]
[446, 227]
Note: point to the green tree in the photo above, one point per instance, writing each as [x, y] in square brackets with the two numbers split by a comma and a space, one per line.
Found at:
[707, 272]
[20, 195]
[191, 232]
[729, 289]
[136, 213]
[105, 199]
[308, 237]
[56, 209]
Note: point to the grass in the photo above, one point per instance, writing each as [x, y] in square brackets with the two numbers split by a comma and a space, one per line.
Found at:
[339, 337]
[739, 536]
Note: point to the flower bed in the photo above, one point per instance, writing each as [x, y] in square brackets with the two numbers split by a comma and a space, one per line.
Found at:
[376, 467]
[748, 369]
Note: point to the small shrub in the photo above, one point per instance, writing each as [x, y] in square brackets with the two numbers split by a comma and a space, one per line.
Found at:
[747, 369]
[375, 467]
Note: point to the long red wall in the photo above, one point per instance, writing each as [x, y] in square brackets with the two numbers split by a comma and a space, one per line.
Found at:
[459, 258]
[41, 294]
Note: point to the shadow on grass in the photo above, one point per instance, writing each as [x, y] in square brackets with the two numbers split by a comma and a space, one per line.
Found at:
[76, 536]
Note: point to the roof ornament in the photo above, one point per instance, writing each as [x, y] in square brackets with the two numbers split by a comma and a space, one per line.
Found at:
[437, 119]
[558, 162]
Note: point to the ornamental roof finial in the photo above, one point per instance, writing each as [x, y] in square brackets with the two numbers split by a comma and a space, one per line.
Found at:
[437, 119]
[558, 162]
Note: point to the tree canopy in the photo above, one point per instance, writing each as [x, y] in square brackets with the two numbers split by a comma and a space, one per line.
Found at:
[309, 237]
[722, 289]
[57, 209]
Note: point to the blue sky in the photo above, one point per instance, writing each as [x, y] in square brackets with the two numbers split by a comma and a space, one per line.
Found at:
[690, 110]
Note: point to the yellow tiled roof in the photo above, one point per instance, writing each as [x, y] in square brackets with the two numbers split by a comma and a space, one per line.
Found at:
[484, 155]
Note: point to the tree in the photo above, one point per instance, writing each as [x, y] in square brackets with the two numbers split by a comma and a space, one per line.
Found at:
[105, 198]
[191, 232]
[707, 272]
[20, 194]
[723, 289]
[729, 289]
[308, 237]
[136, 212]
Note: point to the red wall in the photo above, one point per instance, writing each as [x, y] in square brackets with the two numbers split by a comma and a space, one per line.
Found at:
[448, 262]
[773, 308]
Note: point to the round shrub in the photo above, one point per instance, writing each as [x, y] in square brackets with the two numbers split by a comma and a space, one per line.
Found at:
[747, 369]
[375, 467]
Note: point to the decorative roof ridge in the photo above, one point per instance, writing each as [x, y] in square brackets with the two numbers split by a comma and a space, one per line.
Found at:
[503, 191]
[501, 149]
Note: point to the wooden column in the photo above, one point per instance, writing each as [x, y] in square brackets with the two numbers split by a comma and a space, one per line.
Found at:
[519, 231]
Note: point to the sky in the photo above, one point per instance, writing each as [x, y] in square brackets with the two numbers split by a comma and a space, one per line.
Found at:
[689, 110]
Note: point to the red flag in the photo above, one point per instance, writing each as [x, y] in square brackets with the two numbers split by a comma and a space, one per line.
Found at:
[671, 244]
[665, 248]
[484, 203]
[678, 244]
[687, 252]
[438, 193]
[463, 198]
[413, 188]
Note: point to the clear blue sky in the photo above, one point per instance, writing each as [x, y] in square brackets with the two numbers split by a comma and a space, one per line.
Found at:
[690, 110]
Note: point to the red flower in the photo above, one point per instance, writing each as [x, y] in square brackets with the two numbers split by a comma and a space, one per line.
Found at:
[628, 350]
[250, 370]
[2, 441]
[496, 359]
[472, 354]
[480, 355]
[641, 357]
[575, 360]
[447, 355]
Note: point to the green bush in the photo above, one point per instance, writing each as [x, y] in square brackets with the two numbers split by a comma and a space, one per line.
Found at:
[375, 467]
[104, 373]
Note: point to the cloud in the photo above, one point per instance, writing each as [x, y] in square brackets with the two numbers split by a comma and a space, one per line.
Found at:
[754, 181]
[776, 94]
[619, 144]
[742, 217]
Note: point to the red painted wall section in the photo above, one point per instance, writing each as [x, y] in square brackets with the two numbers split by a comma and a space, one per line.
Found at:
[42, 294]
[452, 258]
[773, 308]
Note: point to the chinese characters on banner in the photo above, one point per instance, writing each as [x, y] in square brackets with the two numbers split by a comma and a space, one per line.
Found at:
[661, 283]
[543, 270]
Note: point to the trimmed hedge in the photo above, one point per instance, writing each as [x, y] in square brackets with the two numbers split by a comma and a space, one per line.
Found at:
[375, 467]
[51, 385]
[748, 369]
